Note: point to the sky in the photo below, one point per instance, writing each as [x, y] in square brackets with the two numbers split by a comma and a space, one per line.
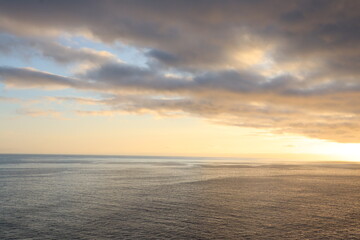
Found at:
[209, 78]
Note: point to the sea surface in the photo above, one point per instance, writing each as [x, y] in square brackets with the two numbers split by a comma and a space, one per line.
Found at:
[124, 197]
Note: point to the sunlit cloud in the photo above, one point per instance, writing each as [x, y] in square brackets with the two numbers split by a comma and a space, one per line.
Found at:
[287, 67]
[38, 113]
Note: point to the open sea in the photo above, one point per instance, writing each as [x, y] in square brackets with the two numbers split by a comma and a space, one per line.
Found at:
[124, 197]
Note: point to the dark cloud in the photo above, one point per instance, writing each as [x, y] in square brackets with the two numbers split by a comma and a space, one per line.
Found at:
[289, 66]
[162, 56]
[292, 16]
[201, 33]
[124, 76]
[28, 78]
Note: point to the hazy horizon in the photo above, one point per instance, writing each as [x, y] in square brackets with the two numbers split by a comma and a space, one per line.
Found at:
[270, 158]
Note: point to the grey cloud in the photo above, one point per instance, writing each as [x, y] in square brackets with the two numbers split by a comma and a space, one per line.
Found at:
[118, 75]
[323, 33]
[289, 66]
[207, 39]
[27, 46]
[223, 85]
[292, 16]
[162, 56]
[24, 77]
[171, 27]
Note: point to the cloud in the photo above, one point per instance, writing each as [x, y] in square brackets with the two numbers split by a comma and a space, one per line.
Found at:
[162, 56]
[286, 66]
[31, 78]
[9, 99]
[49, 48]
[176, 30]
[281, 104]
[79, 100]
[38, 113]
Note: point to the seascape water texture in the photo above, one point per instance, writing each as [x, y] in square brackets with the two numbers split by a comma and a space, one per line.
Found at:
[110, 197]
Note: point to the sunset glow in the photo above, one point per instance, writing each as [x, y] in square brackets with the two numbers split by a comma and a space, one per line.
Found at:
[178, 119]
[240, 78]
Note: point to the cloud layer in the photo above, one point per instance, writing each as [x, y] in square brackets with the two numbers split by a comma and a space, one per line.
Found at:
[286, 66]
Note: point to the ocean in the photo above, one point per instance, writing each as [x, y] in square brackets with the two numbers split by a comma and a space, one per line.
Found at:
[143, 197]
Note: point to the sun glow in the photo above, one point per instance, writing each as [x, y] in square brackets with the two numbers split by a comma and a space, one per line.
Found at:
[342, 151]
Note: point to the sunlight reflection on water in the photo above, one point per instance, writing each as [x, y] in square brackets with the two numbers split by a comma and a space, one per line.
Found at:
[82, 197]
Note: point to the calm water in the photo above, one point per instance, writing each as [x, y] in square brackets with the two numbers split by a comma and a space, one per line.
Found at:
[83, 197]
